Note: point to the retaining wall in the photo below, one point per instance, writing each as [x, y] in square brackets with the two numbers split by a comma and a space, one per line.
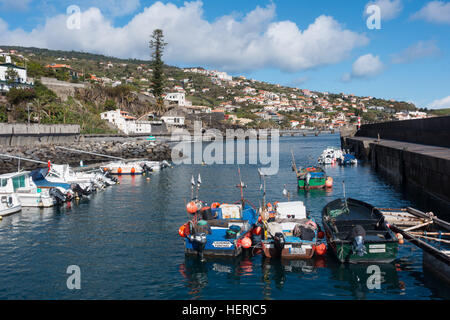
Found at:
[21, 134]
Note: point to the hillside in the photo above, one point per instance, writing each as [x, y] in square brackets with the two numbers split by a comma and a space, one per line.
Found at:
[121, 83]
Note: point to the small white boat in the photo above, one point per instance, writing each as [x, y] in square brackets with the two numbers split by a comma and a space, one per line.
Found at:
[9, 202]
[330, 155]
[21, 185]
[135, 167]
[121, 168]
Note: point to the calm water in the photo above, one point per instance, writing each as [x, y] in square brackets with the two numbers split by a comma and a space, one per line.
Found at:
[125, 240]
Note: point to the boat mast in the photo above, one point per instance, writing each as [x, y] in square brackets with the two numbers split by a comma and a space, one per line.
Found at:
[241, 186]
[294, 166]
[199, 182]
[192, 187]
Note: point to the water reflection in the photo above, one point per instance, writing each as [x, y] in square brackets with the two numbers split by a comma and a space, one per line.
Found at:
[361, 279]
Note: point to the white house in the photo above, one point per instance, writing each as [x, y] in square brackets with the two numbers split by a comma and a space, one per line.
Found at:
[126, 122]
[19, 81]
[178, 97]
[173, 118]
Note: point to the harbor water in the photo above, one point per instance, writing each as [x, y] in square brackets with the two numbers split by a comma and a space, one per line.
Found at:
[125, 240]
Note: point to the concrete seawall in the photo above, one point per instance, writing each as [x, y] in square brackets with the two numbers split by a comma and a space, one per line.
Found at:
[430, 131]
[20, 134]
[422, 171]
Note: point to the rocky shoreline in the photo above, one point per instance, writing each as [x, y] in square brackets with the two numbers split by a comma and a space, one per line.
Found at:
[137, 149]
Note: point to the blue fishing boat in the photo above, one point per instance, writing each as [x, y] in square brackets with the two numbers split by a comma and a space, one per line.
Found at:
[220, 229]
[347, 159]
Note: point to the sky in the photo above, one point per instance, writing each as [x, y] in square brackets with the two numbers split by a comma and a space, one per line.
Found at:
[392, 49]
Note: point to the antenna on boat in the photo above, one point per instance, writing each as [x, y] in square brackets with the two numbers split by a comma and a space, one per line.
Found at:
[263, 186]
[345, 197]
[192, 187]
[199, 182]
[241, 186]
[294, 166]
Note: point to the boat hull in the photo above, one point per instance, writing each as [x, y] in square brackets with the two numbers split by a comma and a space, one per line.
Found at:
[313, 183]
[8, 211]
[290, 251]
[376, 252]
[34, 200]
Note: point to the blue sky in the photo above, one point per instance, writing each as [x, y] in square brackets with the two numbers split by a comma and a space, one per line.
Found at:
[319, 45]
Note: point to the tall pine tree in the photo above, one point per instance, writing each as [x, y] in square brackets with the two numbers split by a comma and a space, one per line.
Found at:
[157, 45]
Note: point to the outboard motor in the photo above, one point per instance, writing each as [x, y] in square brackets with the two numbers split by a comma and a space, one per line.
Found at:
[146, 168]
[57, 195]
[358, 235]
[200, 240]
[78, 190]
[279, 241]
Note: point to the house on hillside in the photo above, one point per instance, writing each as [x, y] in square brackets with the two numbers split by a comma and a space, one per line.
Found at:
[173, 118]
[127, 123]
[65, 67]
[21, 81]
[178, 97]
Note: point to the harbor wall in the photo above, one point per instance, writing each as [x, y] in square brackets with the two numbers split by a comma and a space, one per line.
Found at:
[431, 131]
[424, 177]
[22, 134]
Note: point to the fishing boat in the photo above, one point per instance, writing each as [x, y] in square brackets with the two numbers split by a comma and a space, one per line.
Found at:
[9, 202]
[289, 232]
[357, 232]
[220, 229]
[347, 159]
[28, 194]
[135, 167]
[330, 155]
[312, 177]
[427, 232]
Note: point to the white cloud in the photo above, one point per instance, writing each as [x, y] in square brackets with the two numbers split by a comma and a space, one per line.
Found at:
[419, 50]
[434, 11]
[366, 66]
[253, 42]
[440, 103]
[389, 9]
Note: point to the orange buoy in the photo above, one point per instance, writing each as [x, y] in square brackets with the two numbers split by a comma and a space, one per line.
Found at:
[246, 242]
[105, 169]
[215, 205]
[321, 249]
[182, 230]
[400, 238]
[119, 170]
[191, 207]
[133, 170]
[259, 219]
[329, 182]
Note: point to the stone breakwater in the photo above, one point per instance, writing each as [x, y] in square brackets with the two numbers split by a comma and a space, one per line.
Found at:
[128, 150]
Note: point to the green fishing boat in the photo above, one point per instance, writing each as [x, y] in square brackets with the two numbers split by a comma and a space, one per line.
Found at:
[357, 233]
[313, 177]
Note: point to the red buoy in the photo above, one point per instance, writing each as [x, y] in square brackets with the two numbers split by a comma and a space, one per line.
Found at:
[191, 207]
[320, 234]
[181, 231]
[246, 242]
[321, 249]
